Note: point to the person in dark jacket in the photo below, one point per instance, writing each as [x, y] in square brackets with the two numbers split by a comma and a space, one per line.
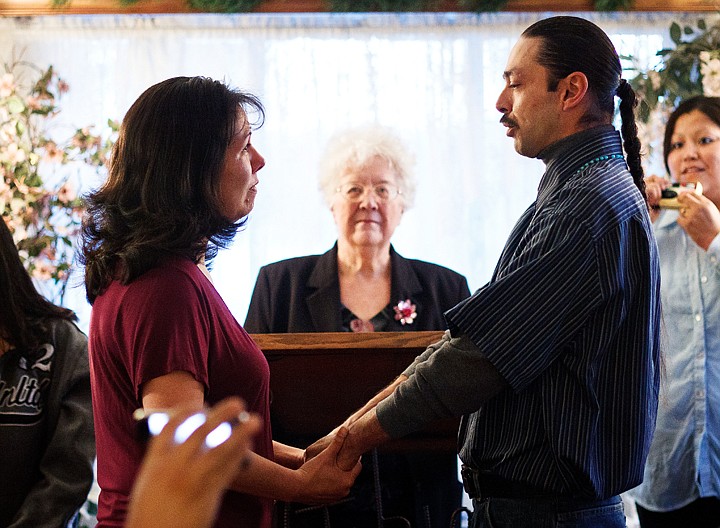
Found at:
[47, 440]
[363, 285]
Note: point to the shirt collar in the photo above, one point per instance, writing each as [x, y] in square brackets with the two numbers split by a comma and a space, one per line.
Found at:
[565, 157]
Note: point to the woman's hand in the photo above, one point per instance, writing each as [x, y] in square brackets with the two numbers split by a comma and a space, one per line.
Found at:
[654, 186]
[699, 217]
[180, 485]
[288, 456]
[321, 480]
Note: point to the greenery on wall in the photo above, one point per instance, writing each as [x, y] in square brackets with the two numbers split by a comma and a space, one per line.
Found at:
[691, 67]
[224, 6]
[359, 6]
[478, 6]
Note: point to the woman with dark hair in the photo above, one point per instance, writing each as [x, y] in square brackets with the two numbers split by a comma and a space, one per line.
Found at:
[47, 445]
[182, 177]
[682, 476]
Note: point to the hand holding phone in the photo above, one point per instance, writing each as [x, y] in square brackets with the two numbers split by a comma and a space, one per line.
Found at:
[183, 477]
[151, 423]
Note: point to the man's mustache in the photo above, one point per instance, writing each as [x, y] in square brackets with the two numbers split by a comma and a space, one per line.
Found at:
[505, 120]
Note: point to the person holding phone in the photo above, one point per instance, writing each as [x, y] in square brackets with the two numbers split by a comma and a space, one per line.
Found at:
[681, 485]
[181, 484]
[47, 446]
[182, 178]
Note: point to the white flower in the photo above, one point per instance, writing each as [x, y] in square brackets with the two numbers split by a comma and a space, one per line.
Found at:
[709, 66]
[654, 79]
[19, 234]
[13, 154]
[17, 205]
[43, 270]
[711, 84]
[52, 153]
[67, 193]
[7, 84]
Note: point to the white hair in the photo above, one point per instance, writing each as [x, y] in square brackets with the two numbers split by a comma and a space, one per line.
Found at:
[351, 149]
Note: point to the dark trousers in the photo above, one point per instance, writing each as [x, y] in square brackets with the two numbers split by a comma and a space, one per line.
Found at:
[548, 513]
[702, 513]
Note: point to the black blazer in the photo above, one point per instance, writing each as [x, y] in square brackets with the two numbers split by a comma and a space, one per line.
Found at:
[302, 294]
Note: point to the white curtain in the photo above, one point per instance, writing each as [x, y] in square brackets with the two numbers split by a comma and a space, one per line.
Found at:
[434, 78]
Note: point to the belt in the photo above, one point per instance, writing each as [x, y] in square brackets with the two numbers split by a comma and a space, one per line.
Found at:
[483, 484]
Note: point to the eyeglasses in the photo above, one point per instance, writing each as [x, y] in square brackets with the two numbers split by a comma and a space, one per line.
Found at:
[354, 192]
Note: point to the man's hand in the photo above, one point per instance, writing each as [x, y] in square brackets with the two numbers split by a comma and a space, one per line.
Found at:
[323, 442]
[363, 435]
[320, 445]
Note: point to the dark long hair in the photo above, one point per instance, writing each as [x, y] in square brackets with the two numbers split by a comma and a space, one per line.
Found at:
[572, 44]
[162, 193]
[23, 311]
[710, 106]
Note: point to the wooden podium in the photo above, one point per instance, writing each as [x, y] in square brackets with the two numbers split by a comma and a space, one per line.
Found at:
[318, 379]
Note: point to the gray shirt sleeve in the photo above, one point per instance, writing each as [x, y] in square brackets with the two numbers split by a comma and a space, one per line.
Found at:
[445, 381]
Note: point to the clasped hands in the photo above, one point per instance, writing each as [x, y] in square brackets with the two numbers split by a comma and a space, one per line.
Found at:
[355, 436]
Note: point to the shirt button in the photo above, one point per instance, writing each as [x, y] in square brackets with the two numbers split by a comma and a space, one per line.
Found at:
[713, 259]
[699, 394]
[698, 318]
[703, 279]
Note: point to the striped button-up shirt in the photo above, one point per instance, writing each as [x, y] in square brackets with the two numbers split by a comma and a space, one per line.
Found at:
[571, 320]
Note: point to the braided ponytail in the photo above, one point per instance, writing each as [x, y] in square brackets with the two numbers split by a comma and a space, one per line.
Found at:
[629, 131]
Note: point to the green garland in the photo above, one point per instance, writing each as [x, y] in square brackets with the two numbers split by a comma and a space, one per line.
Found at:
[612, 5]
[360, 6]
[224, 6]
[486, 6]
[483, 6]
[210, 6]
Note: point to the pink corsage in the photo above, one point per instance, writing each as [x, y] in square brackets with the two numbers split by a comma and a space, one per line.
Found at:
[358, 325]
[405, 312]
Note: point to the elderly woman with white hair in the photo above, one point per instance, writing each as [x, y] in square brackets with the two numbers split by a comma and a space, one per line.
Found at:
[363, 285]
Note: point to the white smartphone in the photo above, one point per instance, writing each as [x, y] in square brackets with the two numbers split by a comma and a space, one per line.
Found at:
[151, 423]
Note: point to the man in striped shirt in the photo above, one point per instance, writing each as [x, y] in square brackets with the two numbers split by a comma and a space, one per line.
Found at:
[553, 365]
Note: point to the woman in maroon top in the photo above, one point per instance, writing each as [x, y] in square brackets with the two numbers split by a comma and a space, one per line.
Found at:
[183, 176]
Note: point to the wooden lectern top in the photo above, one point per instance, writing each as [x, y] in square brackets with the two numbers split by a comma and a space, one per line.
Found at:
[318, 379]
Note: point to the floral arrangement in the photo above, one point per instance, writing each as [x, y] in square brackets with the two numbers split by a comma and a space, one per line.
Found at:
[405, 312]
[39, 198]
[691, 67]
